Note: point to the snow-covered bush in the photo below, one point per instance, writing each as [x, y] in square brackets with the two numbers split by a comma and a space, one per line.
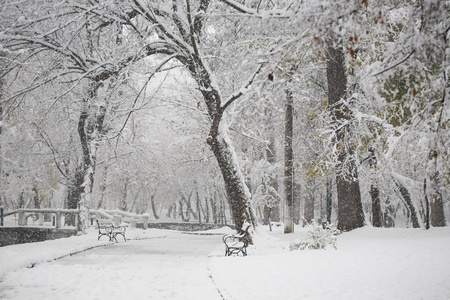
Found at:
[317, 238]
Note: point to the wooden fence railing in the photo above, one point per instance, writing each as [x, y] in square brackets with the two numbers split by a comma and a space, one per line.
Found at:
[116, 215]
[25, 213]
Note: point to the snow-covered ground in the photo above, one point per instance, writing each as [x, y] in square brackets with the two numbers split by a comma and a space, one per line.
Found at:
[369, 263]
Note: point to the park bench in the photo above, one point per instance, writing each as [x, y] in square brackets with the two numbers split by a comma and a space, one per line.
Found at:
[106, 228]
[236, 243]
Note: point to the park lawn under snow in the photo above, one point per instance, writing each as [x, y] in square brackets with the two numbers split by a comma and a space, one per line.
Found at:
[369, 263]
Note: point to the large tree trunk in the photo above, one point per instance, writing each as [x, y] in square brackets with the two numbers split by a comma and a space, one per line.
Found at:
[350, 212]
[377, 216]
[219, 141]
[87, 167]
[237, 192]
[74, 189]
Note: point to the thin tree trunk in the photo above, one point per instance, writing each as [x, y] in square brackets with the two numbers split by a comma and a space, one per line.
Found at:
[308, 213]
[198, 205]
[2, 190]
[170, 210]
[36, 198]
[437, 215]
[273, 180]
[427, 205]
[102, 187]
[288, 164]
[350, 212]
[207, 214]
[329, 202]
[123, 203]
[214, 209]
[377, 217]
[153, 205]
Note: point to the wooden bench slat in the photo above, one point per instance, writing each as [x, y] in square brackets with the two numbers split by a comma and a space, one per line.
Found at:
[106, 228]
[235, 243]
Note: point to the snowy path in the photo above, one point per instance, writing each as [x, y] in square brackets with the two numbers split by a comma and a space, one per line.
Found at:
[173, 267]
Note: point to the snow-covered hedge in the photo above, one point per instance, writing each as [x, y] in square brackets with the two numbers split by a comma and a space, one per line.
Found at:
[317, 238]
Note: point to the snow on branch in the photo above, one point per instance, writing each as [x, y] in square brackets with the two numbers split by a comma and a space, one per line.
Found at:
[256, 12]
[396, 64]
[242, 90]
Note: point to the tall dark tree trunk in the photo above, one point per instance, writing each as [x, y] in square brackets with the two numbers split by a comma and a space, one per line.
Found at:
[329, 198]
[185, 216]
[377, 216]
[153, 205]
[198, 206]
[207, 211]
[350, 212]
[90, 132]
[297, 206]
[234, 183]
[102, 187]
[437, 215]
[409, 204]
[2, 196]
[289, 164]
[274, 212]
[123, 202]
[219, 141]
[214, 210]
[74, 189]
[308, 213]
[427, 205]
[87, 167]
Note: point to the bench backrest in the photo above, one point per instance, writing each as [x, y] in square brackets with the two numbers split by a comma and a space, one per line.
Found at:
[102, 223]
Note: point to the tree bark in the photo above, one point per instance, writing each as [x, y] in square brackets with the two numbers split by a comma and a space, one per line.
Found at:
[74, 190]
[377, 217]
[427, 205]
[153, 205]
[329, 202]
[2, 196]
[409, 204]
[123, 203]
[219, 141]
[235, 187]
[350, 212]
[437, 215]
[274, 212]
[102, 187]
[309, 208]
[198, 206]
[288, 164]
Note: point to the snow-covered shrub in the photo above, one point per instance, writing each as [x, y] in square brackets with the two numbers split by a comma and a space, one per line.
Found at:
[317, 238]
